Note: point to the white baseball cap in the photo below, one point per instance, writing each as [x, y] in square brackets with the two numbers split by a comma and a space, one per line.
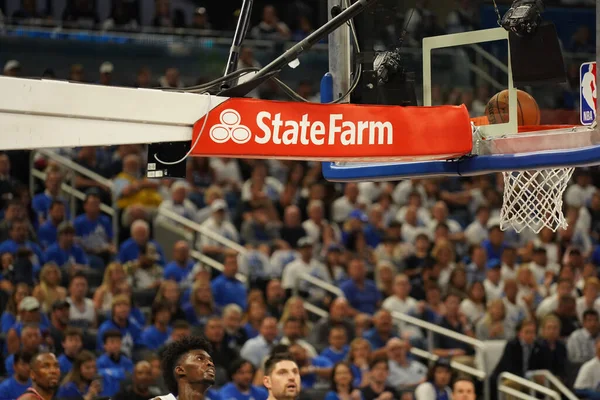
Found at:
[106, 68]
[11, 64]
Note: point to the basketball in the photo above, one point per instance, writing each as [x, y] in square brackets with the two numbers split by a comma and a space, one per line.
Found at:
[528, 112]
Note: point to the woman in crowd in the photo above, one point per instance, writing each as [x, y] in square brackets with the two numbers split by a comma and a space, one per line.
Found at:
[341, 384]
[49, 289]
[437, 386]
[169, 293]
[79, 382]
[493, 325]
[473, 307]
[257, 311]
[360, 349]
[113, 275]
[9, 316]
[201, 305]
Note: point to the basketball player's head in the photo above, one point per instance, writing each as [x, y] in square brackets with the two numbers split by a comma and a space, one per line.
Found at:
[463, 389]
[187, 361]
[45, 371]
[282, 377]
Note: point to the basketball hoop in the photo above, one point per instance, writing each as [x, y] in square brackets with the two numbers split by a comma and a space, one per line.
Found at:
[534, 199]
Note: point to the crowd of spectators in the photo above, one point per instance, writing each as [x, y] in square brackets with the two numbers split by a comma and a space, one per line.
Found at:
[106, 296]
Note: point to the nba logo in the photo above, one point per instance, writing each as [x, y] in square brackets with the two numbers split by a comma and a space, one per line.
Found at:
[588, 99]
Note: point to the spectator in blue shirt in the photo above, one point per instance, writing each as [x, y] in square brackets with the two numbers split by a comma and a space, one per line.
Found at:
[130, 331]
[494, 246]
[65, 252]
[94, 230]
[381, 332]
[17, 239]
[241, 375]
[181, 266]
[476, 270]
[87, 381]
[41, 202]
[310, 368]
[31, 339]
[17, 384]
[155, 335]
[226, 288]
[338, 345]
[48, 231]
[361, 293]
[131, 249]
[113, 358]
[72, 345]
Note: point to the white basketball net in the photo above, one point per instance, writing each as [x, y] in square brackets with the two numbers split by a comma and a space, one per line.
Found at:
[534, 199]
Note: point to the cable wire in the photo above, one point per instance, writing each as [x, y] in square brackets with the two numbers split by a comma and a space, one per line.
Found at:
[208, 108]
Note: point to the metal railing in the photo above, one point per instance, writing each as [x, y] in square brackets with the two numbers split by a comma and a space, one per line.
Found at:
[532, 386]
[436, 329]
[453, 364]
[318, 283]
[550, 378]
[433, 328]
[222, 240]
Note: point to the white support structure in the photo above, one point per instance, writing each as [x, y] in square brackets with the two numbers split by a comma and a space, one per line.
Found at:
[470, 38]
[46, 113]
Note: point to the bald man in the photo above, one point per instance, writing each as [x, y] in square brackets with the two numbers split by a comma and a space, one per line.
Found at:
[45, 377]
[139, 389]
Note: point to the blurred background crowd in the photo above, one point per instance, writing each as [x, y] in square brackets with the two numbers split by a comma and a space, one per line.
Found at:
[103, 267]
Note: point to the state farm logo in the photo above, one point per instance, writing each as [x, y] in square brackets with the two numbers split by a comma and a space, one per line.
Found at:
[230, 128]
[336, 129]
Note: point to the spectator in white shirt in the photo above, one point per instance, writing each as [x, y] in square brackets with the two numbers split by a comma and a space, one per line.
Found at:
[493, 283]
[219, 225]
[509, 263]
[227, 173]
[550, 304]
[405, 373]
[342, 207]
[477, 230]
[303, 264]
[587, 384]
[412, 227]
[473, 307]
[211, 194]
[439, 215]
[580, 194]
[580, 345]
[414, 199]
[401, 302]
[178, 203]
[261, 181]
[540, 266]
[589, 300]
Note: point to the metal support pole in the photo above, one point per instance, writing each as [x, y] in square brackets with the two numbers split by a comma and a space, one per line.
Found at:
[340, 54]
[597, 48]
[238, 38]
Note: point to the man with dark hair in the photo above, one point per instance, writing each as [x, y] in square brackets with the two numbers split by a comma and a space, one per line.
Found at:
[282, 377]
[463, 389]
[140, 387]
[241, 375]
[378, 388]
[45, 377]
[16, 385]
[188, 367]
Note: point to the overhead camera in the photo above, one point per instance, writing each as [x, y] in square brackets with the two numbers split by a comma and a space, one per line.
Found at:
[524, 17]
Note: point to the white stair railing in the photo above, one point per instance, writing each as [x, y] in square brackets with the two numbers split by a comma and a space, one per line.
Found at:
[524, 383]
